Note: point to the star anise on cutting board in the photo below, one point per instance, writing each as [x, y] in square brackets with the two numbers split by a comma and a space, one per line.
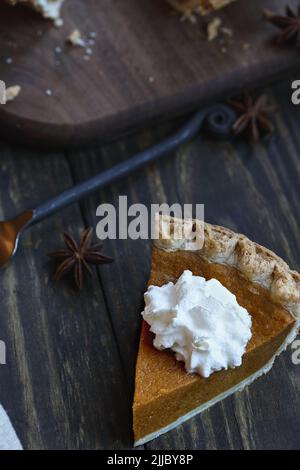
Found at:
[288, 23]
[254, 117]
[78, 257]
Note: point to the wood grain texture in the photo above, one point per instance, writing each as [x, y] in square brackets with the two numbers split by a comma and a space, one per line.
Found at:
[69, 378]
[57, 385]
[146, 64]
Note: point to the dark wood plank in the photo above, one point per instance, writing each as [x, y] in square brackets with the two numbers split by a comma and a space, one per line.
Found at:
[63, 386]
[254, 190]
[146, 64]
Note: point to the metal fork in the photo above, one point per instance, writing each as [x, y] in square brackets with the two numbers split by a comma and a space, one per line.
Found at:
[218, 119]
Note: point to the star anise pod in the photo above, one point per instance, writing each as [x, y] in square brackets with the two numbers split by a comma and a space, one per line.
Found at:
[288, 23]
[79, 256]
[253, 117]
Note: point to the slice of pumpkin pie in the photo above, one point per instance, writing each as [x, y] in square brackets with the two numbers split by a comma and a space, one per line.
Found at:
[217, 313]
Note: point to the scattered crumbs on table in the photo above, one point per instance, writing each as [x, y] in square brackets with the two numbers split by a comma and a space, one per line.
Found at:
[58, 22]
[246, 45]
[49, 92]
[227, 31]
[213, 28]
[75, 38]
[189, 16]
[12, 92]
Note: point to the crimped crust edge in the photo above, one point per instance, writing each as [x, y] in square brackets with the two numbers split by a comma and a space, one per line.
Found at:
[224, 246]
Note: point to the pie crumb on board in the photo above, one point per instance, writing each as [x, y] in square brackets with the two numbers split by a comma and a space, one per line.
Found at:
[12, 92]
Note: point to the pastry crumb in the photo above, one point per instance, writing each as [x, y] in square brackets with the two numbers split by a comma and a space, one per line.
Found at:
[213, 28]
[8, 60]
[189, 16]
[75, 38]
[58, 22]
[246, 45]
[227, 31]
[12, 92]
[49, 92]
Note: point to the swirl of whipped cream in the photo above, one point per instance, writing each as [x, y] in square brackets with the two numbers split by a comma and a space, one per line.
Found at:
[201, 321]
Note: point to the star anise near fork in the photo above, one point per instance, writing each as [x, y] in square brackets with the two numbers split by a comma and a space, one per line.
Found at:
[79, 256]
[254, 117]
[288, 23]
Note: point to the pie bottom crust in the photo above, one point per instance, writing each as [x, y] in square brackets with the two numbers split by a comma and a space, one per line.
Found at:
[165, 395]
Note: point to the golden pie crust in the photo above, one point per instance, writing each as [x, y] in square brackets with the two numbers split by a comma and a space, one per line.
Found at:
[165, 395]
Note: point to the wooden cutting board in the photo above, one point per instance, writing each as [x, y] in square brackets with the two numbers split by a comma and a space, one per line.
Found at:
[146, 64]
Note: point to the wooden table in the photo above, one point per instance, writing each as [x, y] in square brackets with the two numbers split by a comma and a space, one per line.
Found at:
[68, 382]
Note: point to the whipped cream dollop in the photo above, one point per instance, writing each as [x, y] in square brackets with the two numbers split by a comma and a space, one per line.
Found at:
[201, 321]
